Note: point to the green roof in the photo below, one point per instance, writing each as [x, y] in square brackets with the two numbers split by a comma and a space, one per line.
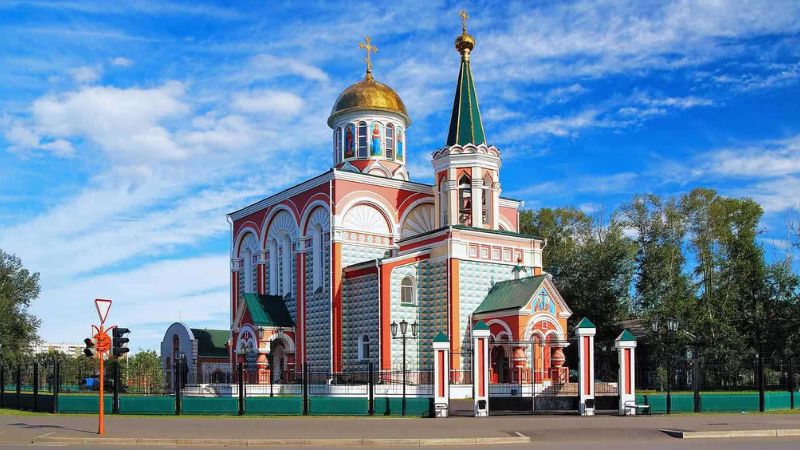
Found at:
[268, 310]
[586, 323]
[465, 122]
[626, 336]
[480, 325]
[511, 294]
[441, 337]
[211, 342]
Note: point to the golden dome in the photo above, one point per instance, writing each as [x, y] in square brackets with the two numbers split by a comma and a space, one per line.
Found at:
[368, 94]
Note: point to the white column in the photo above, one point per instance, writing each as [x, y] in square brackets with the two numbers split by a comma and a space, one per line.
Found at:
[480, 368]
[452, 189]
[441, 375]
[477, 197]
[626, 348]
[586, 332]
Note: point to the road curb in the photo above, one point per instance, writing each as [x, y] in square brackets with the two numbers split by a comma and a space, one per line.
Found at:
[317, 442]
[731, 433]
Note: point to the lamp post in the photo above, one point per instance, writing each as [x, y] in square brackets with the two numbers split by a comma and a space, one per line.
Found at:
[403, 337]
[667, 338]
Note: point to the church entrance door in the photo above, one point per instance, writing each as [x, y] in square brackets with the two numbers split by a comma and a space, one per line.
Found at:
[278, 360]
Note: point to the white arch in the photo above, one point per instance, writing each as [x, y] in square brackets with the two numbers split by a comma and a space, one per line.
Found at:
[542, 317]
[242, 234]
[377, 166]
[419, 224]
[268, 221]
[376, 201]
[311, 208]
[289, 346]
[505, 224]
[367, 217]
[502, 324]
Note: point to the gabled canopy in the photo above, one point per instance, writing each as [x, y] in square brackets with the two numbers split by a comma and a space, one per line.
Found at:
[268, 310]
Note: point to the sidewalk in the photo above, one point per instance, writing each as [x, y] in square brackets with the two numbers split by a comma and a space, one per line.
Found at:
[502, 429]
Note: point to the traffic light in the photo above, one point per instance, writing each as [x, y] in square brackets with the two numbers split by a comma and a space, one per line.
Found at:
[119, 342]
[91, 347]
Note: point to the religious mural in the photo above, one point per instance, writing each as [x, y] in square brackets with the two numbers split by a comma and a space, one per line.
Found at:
[375, 142]
[543, 302]
[401, 143]
[350, 141]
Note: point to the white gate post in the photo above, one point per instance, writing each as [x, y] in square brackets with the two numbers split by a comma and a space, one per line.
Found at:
[626, 347]
[480, 367]
[441, 375]
[586, 331]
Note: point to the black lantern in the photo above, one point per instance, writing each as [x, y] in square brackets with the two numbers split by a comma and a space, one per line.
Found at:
[403, 327]
[394, 329]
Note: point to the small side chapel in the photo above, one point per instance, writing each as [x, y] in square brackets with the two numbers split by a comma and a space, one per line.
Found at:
[321, 271]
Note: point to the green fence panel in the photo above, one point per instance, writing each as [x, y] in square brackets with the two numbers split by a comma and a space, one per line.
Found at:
[274, 406]
[393, 406]
[147, 404]
[82, 404]
[657, 402]
[210, 405]
[728, 402]
[777, 400]
[338, 406]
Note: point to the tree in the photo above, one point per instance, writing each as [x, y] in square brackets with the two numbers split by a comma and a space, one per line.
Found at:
[18, 289]
[591, 263]
[143, 373]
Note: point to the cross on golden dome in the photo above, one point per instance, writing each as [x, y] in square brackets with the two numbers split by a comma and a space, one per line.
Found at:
[368, 48]
[464, 18]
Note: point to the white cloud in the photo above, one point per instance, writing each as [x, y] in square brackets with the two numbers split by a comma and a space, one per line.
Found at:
[84, 74]
[765, 159]
[265, 66]
[556, 126]
[278, 104]
[563, 94]
[121, 61]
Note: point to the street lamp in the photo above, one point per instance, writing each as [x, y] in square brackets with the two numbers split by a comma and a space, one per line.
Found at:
[667, 338]
[403, 336]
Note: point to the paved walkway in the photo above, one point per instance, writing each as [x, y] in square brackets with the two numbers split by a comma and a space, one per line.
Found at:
[20, 429]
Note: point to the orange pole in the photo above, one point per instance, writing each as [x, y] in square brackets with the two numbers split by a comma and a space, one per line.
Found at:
[101, 426]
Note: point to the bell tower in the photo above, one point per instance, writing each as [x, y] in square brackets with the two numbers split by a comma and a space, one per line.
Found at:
[467, 169]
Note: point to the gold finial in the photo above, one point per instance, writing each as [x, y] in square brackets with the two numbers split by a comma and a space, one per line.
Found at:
[464, 43]
[369, 48]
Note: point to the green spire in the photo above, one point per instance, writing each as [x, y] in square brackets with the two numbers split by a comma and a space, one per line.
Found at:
[465, 122]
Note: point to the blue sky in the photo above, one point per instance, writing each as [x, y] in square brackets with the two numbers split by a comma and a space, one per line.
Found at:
[129, 129]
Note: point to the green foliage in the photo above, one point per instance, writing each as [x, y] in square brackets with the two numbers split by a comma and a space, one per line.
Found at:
[695, 257]
[591, 263]
[18, 289]
[142, 373]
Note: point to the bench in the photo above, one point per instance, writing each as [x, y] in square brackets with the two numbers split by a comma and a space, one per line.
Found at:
[636, 407]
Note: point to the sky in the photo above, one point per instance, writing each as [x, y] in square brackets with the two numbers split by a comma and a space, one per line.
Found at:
[129, 129]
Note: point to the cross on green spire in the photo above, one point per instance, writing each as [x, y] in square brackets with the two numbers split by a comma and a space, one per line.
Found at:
[466, 126]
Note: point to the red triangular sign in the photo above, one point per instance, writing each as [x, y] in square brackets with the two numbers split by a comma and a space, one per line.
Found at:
[103, 306]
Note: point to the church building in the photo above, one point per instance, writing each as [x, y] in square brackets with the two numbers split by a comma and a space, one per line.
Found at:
[321, 271]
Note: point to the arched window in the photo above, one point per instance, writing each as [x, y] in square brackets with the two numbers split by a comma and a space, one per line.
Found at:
[248, 271]
[408, 291]
[273, 267]
[444, 200]
[486, 201]
[363, 347]
[337, 144]
[389, 141]
[286, 266]
[362, 139]
[465, 201]
[316, 256]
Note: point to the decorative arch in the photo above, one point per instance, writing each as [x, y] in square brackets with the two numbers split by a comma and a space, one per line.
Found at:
[355, 198]
[314, 212]
[289, 346]
[281, 233]
[376, 168]
[243, 232]
[367, 217]
[541, 317]
[505, 225]
[502, 323]
[241, 340]
[417, 219]
[270, 219]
